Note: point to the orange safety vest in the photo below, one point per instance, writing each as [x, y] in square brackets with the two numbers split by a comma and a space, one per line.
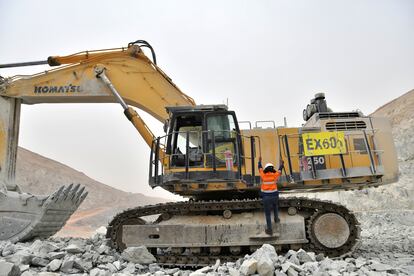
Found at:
[269, 181]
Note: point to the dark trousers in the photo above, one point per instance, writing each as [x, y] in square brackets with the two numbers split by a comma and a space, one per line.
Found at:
[271, 202]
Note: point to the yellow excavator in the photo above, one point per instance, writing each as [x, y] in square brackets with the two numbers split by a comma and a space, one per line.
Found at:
[205, 155]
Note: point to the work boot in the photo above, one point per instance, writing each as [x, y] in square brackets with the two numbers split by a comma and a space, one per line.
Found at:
[269, 232]
[277, 220]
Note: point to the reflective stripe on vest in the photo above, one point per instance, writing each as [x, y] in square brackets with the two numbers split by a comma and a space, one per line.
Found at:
[269, 187]
[269, 181]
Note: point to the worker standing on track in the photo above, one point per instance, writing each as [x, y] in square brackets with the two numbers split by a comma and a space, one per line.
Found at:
[269, 192]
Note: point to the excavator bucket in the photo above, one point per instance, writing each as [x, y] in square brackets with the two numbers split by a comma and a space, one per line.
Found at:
[25, 216]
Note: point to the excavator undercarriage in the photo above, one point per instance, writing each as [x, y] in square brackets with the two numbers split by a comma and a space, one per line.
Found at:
[197, 233]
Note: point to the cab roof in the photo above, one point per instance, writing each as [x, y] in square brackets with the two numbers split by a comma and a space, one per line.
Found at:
[215, 107]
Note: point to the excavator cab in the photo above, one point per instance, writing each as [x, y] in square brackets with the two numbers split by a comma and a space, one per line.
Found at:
[202, 143]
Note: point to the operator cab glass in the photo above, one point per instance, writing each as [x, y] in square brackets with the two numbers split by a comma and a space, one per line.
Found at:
[223, 128]
[207, 135]
[186, 127]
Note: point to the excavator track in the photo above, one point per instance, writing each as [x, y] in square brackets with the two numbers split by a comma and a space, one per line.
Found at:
[320, 213]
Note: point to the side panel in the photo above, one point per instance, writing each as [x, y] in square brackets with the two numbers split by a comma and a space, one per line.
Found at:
[9, 135]
[270, 147]
[266, 146]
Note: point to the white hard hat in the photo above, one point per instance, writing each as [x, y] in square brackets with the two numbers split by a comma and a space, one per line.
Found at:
[269, 165]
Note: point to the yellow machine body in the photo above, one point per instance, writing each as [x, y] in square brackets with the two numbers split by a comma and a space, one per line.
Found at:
[204, 155]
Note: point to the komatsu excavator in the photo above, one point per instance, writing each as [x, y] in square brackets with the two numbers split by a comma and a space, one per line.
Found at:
[205, 156]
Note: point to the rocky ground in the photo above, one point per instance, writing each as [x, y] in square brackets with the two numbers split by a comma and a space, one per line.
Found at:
[386, 248]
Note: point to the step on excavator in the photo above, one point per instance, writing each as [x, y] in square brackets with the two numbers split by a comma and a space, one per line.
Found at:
[206, 156]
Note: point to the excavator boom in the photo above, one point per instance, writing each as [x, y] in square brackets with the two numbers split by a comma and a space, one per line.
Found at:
[140, 82]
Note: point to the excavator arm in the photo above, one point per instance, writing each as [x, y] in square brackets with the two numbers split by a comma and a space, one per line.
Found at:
[123, 75]
[139, 82]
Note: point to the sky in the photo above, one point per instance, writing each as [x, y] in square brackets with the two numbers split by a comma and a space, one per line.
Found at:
[266, 58]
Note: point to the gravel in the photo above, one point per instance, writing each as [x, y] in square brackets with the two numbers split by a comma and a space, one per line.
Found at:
[386, 248]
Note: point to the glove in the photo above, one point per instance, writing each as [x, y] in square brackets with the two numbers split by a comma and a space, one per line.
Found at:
[282, 165]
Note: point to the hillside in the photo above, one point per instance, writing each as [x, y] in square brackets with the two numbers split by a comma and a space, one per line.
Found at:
[40, 175]
[401, 113]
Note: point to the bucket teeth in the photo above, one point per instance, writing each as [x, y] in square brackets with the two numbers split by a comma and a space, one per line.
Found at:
[66, 192]
[40, 216]
[78, 194]
[73, 191]
[55, 196]
[82, 198]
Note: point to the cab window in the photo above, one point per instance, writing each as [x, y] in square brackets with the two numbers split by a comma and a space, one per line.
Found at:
[224, 129]
[193, 125]
[222, 125]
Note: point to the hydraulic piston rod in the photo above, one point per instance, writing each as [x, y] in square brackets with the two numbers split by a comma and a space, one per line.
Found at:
[21, 64]
[129, 112]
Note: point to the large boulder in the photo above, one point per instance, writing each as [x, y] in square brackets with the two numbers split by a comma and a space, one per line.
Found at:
[73, 249]
[56, 255]
[265, 256]
[138, 255]
[21, 257]
[39, 261]
[9, 269]
[99, 272]
[304, 257]
[42, 248]
[265, 267]
[266, 251]
[248, 267]
[8, 249]
[54, 265]
[67, 265]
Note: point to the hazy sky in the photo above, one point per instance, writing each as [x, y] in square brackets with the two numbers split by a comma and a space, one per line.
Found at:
[267, 57]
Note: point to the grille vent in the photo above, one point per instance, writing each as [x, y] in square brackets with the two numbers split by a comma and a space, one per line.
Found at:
[338, 115]
[348, 125]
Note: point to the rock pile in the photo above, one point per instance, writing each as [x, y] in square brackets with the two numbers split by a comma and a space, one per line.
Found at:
[265, 261]
[60, 256]
[387, 248]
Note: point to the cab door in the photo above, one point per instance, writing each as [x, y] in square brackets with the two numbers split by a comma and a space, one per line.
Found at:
[222, 140]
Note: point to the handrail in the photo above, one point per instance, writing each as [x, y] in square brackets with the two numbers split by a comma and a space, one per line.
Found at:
[246, 122]
[204, 152]
[266, 121]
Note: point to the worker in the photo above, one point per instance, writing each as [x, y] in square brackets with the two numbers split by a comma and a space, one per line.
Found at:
[269, 192]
